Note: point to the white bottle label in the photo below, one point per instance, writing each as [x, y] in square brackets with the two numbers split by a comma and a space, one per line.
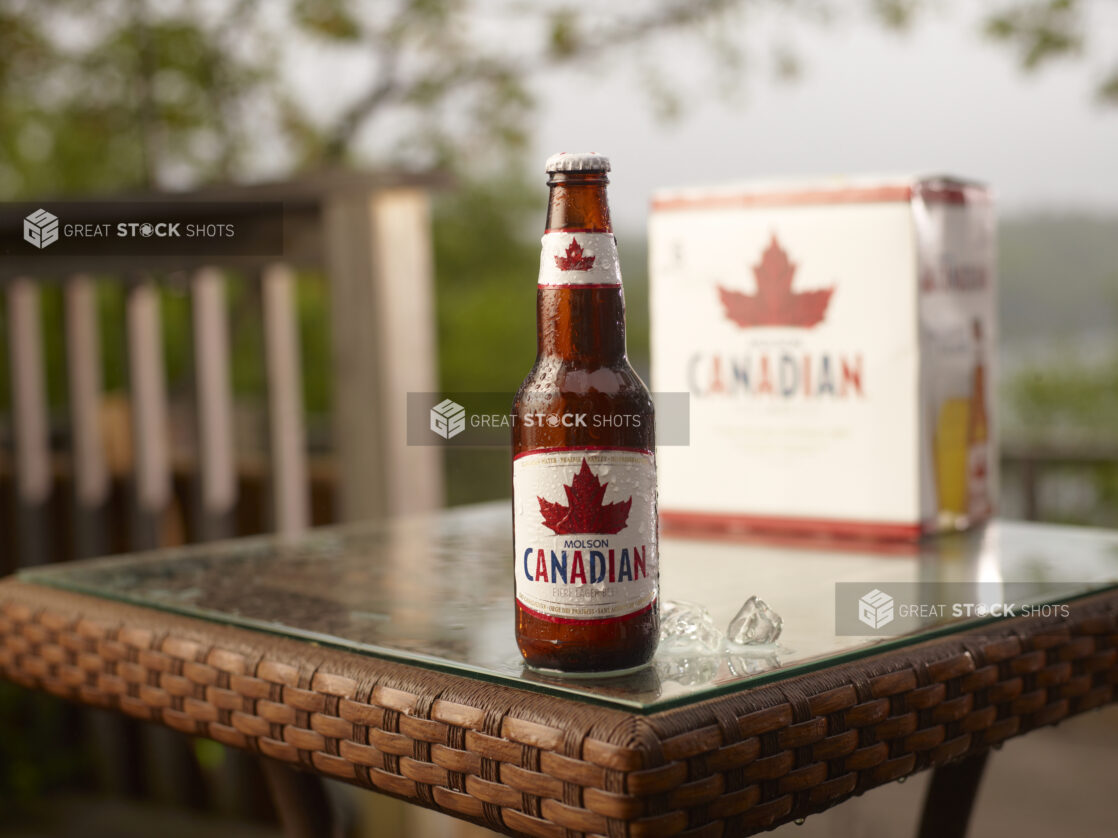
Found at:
[585, 532]
[585, 259]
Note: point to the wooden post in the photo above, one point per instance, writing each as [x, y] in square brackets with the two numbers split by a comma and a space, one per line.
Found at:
[148, 400]
[217, 490]
[32, 432]
[378, 258]
[83, 366]
[380, 267]
[301, 800]
[172, 773]
[115, 739]
[286, 437]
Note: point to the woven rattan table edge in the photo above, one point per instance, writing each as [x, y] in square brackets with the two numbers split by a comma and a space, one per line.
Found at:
[526, 763]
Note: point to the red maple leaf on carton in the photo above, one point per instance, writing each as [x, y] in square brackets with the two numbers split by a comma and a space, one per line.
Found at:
[775, 303]
[586, 513]
[574, 260]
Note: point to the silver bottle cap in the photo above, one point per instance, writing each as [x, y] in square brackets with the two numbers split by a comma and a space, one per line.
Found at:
[577, 161]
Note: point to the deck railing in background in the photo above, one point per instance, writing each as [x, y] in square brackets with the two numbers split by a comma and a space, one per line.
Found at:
[1037, 479]
[369, 235]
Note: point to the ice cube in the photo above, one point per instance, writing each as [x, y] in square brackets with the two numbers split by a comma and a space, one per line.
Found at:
[754, 624]
[685, 625]
[690, 671]
[742, 665]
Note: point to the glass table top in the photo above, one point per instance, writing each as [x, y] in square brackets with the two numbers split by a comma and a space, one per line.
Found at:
[436, 591]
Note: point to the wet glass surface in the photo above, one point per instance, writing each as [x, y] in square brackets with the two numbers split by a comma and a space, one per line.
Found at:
[436, 591]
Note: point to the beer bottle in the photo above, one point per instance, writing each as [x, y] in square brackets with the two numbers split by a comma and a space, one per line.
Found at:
[584, 471]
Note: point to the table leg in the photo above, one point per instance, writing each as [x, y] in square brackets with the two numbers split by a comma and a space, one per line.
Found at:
[950, 798]
[301, 802]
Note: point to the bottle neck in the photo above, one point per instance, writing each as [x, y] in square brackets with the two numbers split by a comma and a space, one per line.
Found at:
[578, 202]
[580, 307]
[584, 327]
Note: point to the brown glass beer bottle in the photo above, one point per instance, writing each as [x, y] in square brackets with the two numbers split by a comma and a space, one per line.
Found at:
[584, 469]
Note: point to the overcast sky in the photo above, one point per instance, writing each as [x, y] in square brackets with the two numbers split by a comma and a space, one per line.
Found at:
[937, 99]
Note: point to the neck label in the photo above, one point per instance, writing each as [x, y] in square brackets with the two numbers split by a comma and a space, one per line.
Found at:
[586, 259]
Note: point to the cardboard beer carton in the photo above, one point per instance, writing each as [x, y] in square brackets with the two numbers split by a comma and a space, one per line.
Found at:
[837, 340]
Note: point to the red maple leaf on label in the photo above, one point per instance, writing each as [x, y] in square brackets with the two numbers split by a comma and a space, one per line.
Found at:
[586, 513]
[775, 303]
[574, 260]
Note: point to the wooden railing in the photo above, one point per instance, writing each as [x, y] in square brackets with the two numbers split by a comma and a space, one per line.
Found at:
[1027, 466]
[369, 235]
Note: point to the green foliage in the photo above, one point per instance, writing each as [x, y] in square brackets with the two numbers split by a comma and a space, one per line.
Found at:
[137, 94]
[141, 93]
[1040, 29]
[897, 14]
[54, 361]
[246, 337]
[563, 37]
[175, 318]
[35, 761]
[313, 298]
[210, 754]
[1067, 401]
[1108, 89]
[1070, 402]
[486, 260]
[1059, 285]
[114, 351]
[330, 19]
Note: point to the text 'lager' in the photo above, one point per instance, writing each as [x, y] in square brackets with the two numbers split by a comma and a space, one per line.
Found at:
[584, 469]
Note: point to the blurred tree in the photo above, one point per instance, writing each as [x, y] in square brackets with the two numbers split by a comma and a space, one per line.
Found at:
[486, 252]
[146, 93]
[1071, 404]
[1070, 401]
[119, 94]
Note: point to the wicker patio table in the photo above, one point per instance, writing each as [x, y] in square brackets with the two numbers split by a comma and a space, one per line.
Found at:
[383, 655]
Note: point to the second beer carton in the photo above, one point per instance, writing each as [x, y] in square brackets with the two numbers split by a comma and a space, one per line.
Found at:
[837, 340]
